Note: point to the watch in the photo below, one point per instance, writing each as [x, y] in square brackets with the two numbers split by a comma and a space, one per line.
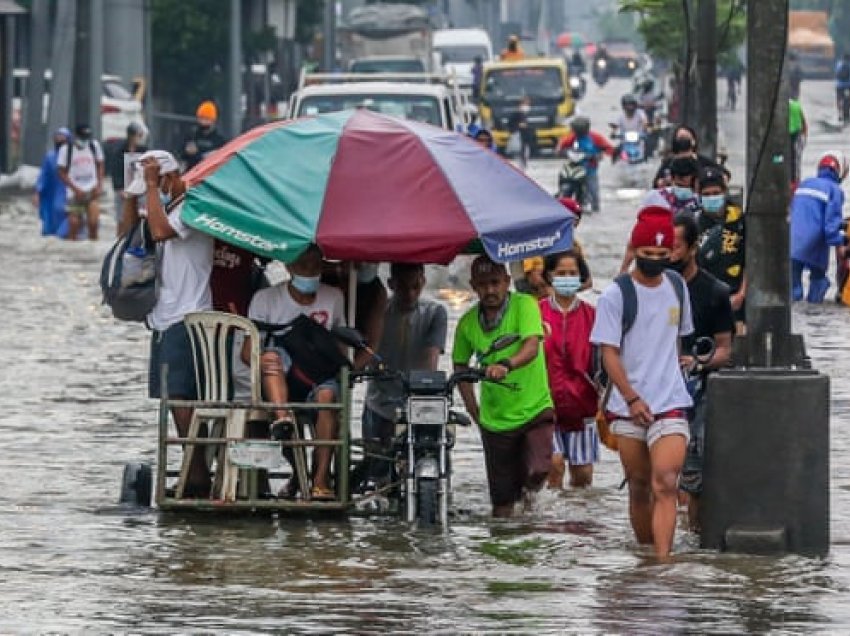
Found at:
[506, 362]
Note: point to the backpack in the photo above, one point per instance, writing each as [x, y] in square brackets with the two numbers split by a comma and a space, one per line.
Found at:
[314, 350]
[129, 274]
[843, 74]
[71, 145]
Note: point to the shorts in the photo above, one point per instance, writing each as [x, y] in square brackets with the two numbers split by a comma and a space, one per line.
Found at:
[286, 362]
[172, 347]
[650, 434]
[79, 208]
[691, 479]
[518, 459]
[579, 448]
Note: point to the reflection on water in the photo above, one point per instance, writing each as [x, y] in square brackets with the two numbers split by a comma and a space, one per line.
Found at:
[72, 389]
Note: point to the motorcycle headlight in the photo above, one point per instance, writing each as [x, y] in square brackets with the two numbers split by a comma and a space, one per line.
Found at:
[427, 411]
[575, 82]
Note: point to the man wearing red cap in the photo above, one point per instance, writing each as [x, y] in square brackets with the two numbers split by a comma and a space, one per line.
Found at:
[649, 400]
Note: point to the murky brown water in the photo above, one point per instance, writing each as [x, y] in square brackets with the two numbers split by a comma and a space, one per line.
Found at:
[72, 387]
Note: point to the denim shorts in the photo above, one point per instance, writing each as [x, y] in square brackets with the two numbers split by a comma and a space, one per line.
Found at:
[172, 347]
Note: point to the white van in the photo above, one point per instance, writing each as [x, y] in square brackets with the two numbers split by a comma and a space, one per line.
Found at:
[457, 49]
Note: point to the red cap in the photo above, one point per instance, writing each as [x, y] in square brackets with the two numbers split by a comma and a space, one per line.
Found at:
[572, 205]
[654, 228]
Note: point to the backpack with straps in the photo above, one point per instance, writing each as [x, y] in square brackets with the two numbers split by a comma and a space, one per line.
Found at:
[630, 309]
[128, 276]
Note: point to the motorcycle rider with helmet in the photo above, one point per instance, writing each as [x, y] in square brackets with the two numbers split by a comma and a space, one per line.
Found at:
[592, 145]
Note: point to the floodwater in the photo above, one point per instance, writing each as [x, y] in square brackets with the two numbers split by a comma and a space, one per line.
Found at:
[72, 391]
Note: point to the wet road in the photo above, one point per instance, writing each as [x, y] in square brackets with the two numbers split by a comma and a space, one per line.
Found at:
[72, 388]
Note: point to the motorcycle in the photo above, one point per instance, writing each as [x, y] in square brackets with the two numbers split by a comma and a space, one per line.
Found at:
[631, 156]
[578, 85]
[600, 72]
[425, 429]
[572, 179]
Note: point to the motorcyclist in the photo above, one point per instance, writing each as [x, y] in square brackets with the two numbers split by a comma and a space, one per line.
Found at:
[593, 145]
[576, 63]
[842, 81]
[632, 118]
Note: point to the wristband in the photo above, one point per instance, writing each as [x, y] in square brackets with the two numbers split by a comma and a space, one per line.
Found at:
[506, 362]
[633, 400]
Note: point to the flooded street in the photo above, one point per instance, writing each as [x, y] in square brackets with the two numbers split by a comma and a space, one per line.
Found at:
[73, 410]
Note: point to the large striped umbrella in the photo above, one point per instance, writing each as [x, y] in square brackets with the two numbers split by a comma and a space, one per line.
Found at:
[370, 187]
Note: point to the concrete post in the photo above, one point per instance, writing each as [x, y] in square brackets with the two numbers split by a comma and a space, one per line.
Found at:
[62, 64]
[766, 470]
[706, 35]
[234, 71]
[329, 36]
[7, 64]
[34, 140]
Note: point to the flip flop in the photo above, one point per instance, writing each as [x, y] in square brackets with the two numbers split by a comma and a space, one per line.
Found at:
[322, 494]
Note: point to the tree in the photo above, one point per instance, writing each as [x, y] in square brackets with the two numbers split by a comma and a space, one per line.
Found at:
[662, 23]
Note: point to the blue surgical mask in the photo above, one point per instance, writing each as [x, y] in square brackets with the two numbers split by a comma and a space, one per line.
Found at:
[682, 193]
[164, 199]
[566, 285]
[306, 284]
[367, 272]
[714, 203]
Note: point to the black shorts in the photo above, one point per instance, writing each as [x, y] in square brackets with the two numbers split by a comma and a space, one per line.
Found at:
[519, 458]
[172, 347]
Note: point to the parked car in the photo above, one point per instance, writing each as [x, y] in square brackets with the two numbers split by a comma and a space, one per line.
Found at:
[118, 105]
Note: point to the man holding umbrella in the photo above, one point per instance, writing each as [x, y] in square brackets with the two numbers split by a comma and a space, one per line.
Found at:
[516, 425]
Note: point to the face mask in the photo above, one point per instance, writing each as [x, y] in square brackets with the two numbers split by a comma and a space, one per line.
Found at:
[651, 267]
[367, 272]
[164, 199]
[682, 193]
[713, 204]
[524, 108]
[680, 145]
[678, 266]
[306, 284]
[566, 285]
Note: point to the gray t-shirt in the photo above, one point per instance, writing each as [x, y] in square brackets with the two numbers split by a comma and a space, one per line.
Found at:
[404, 345]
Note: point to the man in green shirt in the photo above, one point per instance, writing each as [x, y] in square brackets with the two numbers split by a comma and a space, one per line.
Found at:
[516, 426]
[798, 130]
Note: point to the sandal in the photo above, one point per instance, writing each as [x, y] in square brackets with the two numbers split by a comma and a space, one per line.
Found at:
[322, 494]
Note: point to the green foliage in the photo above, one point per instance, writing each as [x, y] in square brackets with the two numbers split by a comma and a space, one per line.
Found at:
[189, 43]
[614, 25]
[663, 28]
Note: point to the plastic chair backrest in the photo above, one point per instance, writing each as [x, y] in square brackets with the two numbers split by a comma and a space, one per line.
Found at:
[211, 335]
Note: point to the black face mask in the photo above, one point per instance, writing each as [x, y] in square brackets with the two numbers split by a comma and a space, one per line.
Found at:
[680, 145]
[651, 267]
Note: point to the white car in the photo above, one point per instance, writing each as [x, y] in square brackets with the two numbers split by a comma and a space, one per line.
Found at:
[457, 49]
[400, 96]
[118, 106]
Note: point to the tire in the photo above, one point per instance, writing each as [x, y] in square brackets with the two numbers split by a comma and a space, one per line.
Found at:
[427, 502]
[136, 485]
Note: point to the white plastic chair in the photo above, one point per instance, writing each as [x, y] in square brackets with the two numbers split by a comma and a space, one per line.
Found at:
[211, 334]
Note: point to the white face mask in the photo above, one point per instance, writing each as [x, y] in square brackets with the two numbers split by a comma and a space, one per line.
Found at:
[524, 108]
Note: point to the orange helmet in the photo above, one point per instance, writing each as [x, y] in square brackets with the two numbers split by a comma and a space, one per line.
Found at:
[207, 110]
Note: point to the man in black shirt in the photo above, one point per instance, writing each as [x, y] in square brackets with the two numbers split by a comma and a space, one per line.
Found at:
[712, 315]
[131, 144]
[722, 231]
[205, 137]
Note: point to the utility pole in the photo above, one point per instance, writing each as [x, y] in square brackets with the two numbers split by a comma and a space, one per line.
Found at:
[329, 36]
[707, 76]
[34, 138]
[233, 108]
[62, 64]
[767, 419]
[89, 64]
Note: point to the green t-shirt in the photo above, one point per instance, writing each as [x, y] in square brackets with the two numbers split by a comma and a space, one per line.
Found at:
[501, 408]
[795, 117]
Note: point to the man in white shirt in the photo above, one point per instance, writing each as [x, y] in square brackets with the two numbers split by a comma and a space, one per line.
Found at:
[649, 400]
[186, 264]
[304, 294]
[81, 169]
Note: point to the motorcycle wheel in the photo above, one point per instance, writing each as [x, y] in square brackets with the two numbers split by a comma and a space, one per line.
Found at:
[427, 502]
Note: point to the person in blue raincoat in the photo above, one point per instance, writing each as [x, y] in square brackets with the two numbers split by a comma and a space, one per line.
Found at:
[50, 189]
[816, 225]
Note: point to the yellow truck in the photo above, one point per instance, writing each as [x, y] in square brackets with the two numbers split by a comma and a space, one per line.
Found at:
[545, 81]
[808, 36]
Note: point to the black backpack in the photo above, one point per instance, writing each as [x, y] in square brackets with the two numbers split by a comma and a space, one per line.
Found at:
[129, 274]
[316, 356]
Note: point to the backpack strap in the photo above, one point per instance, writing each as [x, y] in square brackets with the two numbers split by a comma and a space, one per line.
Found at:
[679, 287]
[629, 294]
